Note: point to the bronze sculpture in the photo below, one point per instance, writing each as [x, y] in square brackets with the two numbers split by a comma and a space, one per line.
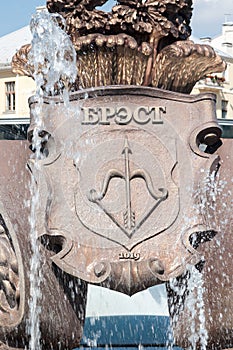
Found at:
[121, 220]
[144, 43]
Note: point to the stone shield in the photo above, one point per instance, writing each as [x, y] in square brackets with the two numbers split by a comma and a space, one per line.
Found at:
[120, 182]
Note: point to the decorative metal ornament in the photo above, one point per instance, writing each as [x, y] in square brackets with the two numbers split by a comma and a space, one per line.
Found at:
[11, 277]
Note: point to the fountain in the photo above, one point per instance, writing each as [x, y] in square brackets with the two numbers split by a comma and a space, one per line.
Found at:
[127, 176]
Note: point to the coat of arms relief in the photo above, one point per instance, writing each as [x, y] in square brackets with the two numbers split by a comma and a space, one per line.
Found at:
[119, 182]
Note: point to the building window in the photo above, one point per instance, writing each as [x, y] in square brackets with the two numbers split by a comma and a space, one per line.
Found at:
[10, 96]
[224, 109]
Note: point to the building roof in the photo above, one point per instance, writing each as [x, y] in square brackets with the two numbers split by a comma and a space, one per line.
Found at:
[221, 53]
[10, 43]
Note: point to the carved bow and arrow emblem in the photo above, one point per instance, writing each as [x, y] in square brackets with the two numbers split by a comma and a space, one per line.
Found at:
[130, 226]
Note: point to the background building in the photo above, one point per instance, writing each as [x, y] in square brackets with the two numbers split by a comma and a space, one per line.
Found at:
[14, 89]
[221, 84]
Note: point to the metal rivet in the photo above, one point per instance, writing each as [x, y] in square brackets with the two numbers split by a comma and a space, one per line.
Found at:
[100, 269]
[157, 266]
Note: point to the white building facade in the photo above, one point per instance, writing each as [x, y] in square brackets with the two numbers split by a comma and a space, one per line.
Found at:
[221, 84]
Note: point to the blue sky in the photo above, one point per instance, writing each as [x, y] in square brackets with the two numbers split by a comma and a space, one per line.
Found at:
[207, 17]
[16, 14]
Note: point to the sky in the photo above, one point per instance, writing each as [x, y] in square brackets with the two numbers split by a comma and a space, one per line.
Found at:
[208, 15]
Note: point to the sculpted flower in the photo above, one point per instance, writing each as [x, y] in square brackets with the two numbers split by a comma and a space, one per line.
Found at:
[80, 15]
[163, 17]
